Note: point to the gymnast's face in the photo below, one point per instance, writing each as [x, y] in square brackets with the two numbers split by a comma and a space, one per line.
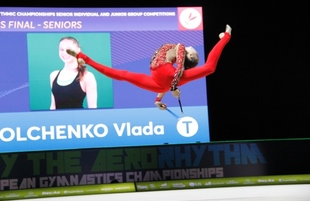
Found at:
[63, 46]
[192, 58]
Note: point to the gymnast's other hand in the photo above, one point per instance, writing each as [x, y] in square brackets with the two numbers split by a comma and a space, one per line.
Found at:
[160, 105]
[176, 93]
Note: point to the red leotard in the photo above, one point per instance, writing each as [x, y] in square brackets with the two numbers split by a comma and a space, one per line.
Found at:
[162, 76]
[170, 53]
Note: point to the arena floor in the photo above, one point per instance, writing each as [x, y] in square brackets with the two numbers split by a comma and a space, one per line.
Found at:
[296, 192]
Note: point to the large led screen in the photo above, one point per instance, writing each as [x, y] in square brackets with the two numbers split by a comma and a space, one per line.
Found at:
[117, 113]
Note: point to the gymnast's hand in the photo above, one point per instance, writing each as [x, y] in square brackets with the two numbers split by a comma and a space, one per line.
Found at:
[176, 93]
[160, 105]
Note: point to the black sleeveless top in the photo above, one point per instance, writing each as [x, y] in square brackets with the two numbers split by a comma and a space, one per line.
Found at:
[69, 96]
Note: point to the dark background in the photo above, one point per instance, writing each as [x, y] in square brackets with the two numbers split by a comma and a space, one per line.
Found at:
[260, 89]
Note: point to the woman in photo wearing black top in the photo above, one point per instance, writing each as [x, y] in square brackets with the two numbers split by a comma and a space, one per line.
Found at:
[73, 82]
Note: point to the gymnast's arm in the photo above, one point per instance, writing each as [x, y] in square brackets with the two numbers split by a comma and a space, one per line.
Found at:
[179, 59]
[158, 103]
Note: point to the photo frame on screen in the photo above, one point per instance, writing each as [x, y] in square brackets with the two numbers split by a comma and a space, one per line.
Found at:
[43, 58]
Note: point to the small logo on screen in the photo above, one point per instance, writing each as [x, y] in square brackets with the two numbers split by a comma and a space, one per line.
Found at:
[187, 126]
[190, 18]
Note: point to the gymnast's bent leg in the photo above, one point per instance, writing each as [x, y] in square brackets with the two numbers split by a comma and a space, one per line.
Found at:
[210, 65]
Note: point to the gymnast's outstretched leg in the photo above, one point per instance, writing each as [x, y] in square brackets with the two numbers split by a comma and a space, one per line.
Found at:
[211, 63]
[138, 79]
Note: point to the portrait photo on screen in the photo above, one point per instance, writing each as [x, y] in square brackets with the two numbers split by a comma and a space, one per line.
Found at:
[44, 57]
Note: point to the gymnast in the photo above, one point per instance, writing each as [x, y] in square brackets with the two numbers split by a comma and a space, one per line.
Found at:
[164, 76]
